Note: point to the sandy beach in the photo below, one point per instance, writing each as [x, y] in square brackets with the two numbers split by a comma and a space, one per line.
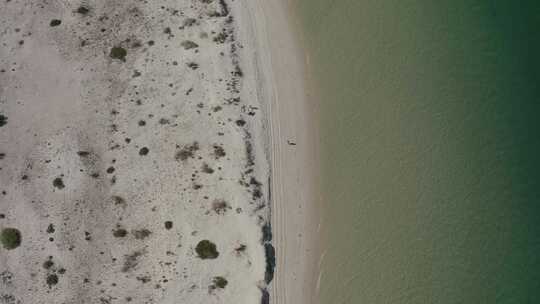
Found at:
[294, 152]
[155, 153]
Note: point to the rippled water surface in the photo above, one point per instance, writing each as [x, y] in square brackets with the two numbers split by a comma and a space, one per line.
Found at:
[430, 122]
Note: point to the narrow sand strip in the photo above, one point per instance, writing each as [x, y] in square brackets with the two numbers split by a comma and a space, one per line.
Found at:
[294, 156]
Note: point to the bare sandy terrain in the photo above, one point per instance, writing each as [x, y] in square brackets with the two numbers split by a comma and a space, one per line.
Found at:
[135, 152]
[129, 140]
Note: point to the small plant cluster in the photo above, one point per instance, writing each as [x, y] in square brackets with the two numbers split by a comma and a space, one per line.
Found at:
[10, 238]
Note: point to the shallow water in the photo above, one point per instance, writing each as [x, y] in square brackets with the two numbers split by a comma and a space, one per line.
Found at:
[431, 146]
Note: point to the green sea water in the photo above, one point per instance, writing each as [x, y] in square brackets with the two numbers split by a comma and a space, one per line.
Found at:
[430, 133]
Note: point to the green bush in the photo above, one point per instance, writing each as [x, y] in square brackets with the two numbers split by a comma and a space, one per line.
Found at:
[118, 53]
[206, 250]
[220, 282]
[10, 238]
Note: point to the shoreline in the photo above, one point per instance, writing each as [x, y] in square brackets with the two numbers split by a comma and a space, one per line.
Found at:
[292, 145]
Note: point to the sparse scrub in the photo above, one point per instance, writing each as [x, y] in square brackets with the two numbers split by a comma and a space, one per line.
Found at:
[206, 250]
[218, 282]
[219, 152]
[58, 183]
[120, 233]
[10, 238]
[207, 169]
[187, 152]
[118, 53]
[188, 44]
[193, 65]
[220, 206]
[141, 234]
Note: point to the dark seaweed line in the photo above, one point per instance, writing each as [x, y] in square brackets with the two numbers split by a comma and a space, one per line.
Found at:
[269, 249]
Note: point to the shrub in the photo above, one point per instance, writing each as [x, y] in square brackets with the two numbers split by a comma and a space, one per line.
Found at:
[10, 238]
[206, 250]
[220, 282]
[188, 45]
[118, 53]
[220, 206]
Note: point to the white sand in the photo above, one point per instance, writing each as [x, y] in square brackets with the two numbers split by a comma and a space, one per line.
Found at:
[294, 153]
[62, 94]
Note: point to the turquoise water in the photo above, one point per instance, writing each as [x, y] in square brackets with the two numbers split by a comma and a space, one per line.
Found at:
[430, 128]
